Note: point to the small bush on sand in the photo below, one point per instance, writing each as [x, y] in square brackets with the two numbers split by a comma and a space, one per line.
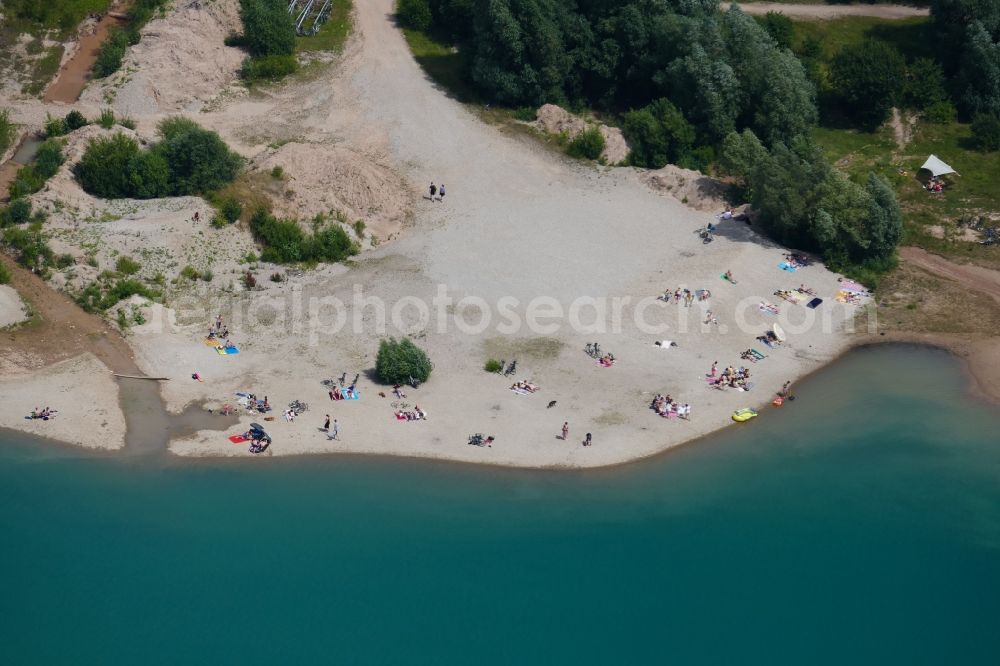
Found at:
[4, 274]
[268, 28]
[492, 365]
[589, 144]
[112, 53]
[18, 212]
[75, 120]
[189, 272]
[268, 68]
[106, 119]
[54, 126]
[231, 209]
[6, 131]
[399, 360]
[127, 266]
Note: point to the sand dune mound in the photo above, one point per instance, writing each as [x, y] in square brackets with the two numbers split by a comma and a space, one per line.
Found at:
[324, 178]
[692, 188]
[557, 120]
[180, 64]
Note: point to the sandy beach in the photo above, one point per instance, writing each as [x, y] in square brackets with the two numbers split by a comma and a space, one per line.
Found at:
[524, 233]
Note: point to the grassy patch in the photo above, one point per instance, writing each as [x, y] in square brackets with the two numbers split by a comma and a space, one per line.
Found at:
[912, 36]
[443, 63]
[333, 34]
[39, 16]
[43, 70]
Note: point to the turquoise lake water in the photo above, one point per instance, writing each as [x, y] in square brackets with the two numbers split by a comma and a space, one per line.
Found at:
[859, 524]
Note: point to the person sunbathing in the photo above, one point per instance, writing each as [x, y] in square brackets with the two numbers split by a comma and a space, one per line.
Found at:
[528, 386]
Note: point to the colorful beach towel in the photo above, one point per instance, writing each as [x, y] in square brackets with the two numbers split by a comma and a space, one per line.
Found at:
[237, 439]
[851, 285]
[785, 266]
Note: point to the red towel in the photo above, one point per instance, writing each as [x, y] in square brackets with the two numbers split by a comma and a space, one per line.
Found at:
[237, 439]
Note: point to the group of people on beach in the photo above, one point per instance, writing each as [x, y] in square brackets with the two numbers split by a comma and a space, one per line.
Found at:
[685, 295]
[416, 415]
[524, 386]
[668, 408]
[730, 378]
[44, 414]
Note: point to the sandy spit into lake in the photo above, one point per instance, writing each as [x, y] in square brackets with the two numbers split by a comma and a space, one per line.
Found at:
[85, 395]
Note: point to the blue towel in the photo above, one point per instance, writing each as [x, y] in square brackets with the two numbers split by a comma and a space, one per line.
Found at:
[785, 266]
[232, 350]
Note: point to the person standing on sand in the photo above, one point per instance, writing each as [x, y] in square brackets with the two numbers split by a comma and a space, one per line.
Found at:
[587, 441]
[326, 424]
[433, 190]
[715, 369]
[334, 430]
[441, 192]
[565, 430]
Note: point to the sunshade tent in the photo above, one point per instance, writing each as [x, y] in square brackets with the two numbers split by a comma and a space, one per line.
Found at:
[937, 167]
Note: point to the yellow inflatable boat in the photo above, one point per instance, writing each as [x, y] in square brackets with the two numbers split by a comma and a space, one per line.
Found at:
[744, 414]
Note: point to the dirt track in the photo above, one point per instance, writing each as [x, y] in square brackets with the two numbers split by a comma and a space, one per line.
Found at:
[980, 279]
[833, 11]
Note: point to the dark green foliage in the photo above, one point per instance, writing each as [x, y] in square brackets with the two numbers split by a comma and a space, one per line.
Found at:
[266, 68]
[6, 130]
[779, 27]
[189, 160]
[986, 132]
[492, 365]
[588, 144]
[399, 360]
[75, 120]
[868, 78]
[925, 84]
[658, 135]
[285, 242]
[231, 209]
[17, 212]
[104, 168]
[268, 29]
[127, 266]
[4, 274]
[198, 159]
[415, 14]
[106, 119]
[803, 202]
[32, 177]
[968, 36]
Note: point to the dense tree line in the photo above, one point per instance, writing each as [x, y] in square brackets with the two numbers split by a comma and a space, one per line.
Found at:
[692, 86]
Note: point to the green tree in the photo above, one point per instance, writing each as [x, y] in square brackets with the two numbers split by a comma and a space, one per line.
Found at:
[884, 228]
[925, 84]
[658, 135]
[779, 27]
[198, 159]
[75, 120]
[868, 77]
[979, 79]
[986, 132]
[267, 27]
[104, 168]
[148, 175]
[414, 14]
[708, 91]
[398, 361]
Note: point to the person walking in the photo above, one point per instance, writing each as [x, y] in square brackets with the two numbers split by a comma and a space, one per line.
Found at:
[326, 424]
[334, 430]
[441, 192]
[433, 190]
[565, 430]
[587, 441]
[715, 369]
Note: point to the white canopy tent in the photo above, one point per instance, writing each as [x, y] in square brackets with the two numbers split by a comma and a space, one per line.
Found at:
[937, 167]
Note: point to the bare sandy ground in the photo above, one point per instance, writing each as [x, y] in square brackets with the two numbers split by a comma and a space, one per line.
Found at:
[832, 11]
[519, 224]
[83, 417]
[11, 307]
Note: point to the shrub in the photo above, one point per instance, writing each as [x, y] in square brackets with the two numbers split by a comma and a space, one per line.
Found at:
[277, 173]
[207, 275]
[32, 177]
[270, 67]
[6, 131]
[941, 113]
[249, 281]
[986, 132]
[75, 120]
[54, 126]
[127, 122]
[18, 212]
[925, 84]
[4, 274]
[102, 294]
[415, 14]
[106, 119]
[658, 134]
[29, 246]
[588, 144]
[198, 159]
[277, 277]
[189, 272]
[127, 266]
[398, 361]
[779, 27]
[148, 175]
[104, 168]
[65, 260]
[109, 60]
[267, 27]
[868, 77]
[359, 228]
[492, 365]
[230, 209]
[284, 241]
